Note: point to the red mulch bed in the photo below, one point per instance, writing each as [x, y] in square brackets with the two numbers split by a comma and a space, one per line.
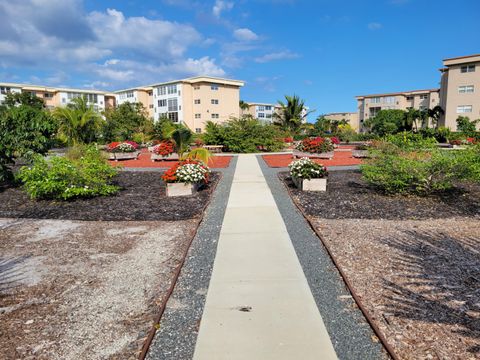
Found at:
[341, 158]
[144, 161]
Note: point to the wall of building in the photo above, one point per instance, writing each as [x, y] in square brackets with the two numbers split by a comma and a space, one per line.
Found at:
[351, 117]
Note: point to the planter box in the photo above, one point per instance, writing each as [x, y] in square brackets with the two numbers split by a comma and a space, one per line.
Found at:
[181, 189]
[173, 156]
[300, 154]
[123, 156]
[310, 185]
[360, 153]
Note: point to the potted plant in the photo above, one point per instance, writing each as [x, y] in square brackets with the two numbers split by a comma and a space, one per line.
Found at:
[361, 151]
[164, 151]
[151, 144]
[307, 175]
[124, 150]
[186, 177]
[316, 147]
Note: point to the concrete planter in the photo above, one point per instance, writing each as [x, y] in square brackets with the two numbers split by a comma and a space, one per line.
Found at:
[325, 155]
[360, 153]
[123, 156]
[181, 189]
[310, 185]
[173, 156]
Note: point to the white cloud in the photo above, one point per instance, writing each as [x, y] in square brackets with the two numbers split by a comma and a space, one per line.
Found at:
[374, 26]
[281, 55]
[245, 34]
[220, 6]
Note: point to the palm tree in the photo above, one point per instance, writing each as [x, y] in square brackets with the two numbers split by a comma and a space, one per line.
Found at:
[243, 105]
[435, 114]
[182, 137]
[292, 113]
[78, 122]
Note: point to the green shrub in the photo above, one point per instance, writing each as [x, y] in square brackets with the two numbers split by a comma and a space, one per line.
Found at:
[411, 141]
[396, 170]
[77, 175]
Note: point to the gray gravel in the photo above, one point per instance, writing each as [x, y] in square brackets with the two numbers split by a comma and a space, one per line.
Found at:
[178, 330]
[351, 335]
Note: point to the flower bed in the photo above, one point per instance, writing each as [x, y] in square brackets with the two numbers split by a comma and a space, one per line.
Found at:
[164, 151]
[122, 150]
[316, 147]
[307, 175]
[186, 177]
[361, 151]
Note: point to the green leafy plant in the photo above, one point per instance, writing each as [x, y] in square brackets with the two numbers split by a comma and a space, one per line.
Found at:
[466, 126]
[127, 121]
[83, 173]
[307, 169]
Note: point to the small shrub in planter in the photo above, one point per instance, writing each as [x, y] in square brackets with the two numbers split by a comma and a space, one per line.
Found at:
[315, 147]
[307, 175]
[186, 177]
[361, 151]
[66, 178]
[122, 150]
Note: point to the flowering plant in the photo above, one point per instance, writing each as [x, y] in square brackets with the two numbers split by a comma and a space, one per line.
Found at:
[124, 147]
[335, 140]
[288, 139]
[316, 145]
[188, 171]
[307, 169]
[165, 148]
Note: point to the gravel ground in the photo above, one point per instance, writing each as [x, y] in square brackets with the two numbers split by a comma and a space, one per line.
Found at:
[349, 197]
[83, 290]
[351, 335]
[142, 197]
[179, 326]
[420, 279]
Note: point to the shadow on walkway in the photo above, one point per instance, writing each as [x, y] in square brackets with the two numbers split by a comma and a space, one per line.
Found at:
[12, 271]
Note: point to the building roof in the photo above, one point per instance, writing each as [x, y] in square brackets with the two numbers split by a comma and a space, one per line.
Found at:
[462, 57]
[400, 93]
[461, 60]
[31, 87]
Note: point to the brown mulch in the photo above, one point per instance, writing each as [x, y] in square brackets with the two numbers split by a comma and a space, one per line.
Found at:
[413, 261]
[142, 197]
[349, 197]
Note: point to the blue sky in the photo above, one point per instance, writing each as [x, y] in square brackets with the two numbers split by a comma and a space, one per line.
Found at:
[325, 51]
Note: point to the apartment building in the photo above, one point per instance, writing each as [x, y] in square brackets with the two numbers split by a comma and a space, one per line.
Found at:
[369, 105]
[460, 89]
[350, 117]
[54, 97]
[261, 111]
[192, 101]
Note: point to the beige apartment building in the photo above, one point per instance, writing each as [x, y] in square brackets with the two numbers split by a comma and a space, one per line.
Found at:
[261, 111]
[350, 117]
[54, 97]
[460, 89]
[369, 105]
[192, 101]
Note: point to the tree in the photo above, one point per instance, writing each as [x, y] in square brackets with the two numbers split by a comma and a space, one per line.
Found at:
[435, 114]
[182, 138]
[78, 122]
[126, 120]
[387, 122]
[292, 114]
[322, 124]
[23, 98]
[25, 130]
[243, 105]
[467, 126]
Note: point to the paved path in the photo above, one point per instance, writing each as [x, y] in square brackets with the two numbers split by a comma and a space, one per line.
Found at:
[259, 305]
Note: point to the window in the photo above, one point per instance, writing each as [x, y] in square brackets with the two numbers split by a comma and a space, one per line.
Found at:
[261, 115]
[4, 90]
[130, 94]
[198, 130]
[162, 102]
[261, 108]
[215, 116]
[172, 104]
[173, 116]
[423, 97]
[196, 87]
[268, 108]
[467, 68]
[390, 99]
[466, 89]
[198, 116]
[162, 90]
[48, 95]
[374, 111]
[150, 93]
[150, 106]
[375, 100]
[214, 101]
[172, 89]
[196, 101]
[268, 116]
[409, 98]
[214, 87]
[464, 109]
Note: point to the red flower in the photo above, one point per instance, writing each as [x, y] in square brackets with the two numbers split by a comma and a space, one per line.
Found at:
[335, 140]
[165, 148]
[288, 140]
[133, 143]
[113, 145]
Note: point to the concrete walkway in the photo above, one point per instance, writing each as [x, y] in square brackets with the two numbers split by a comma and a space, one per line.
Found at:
[259, 305]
